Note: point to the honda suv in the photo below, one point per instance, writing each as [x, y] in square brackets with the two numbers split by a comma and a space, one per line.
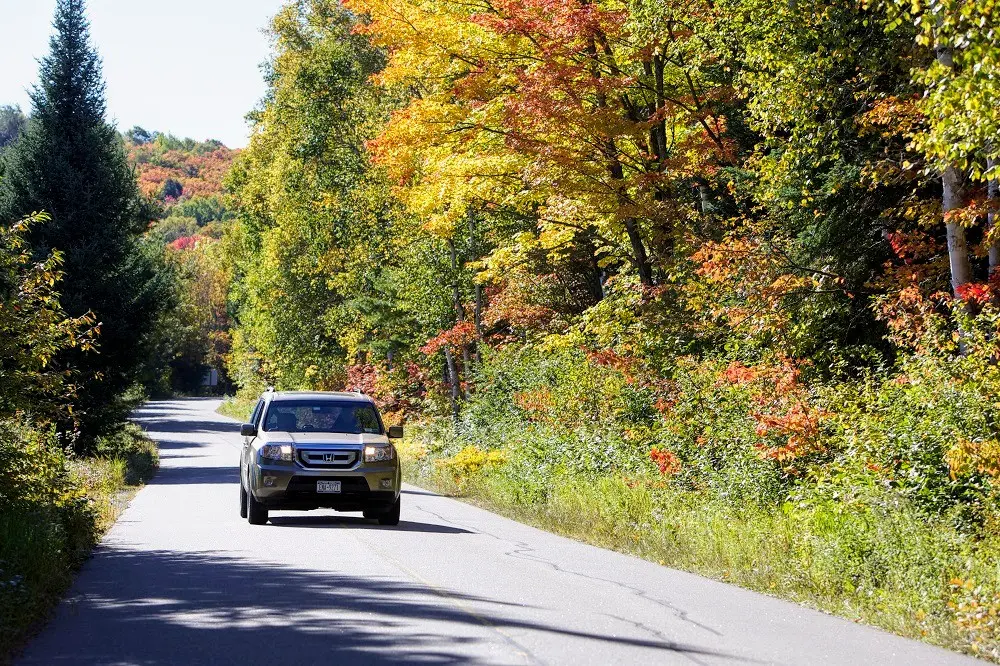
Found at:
[304, 451]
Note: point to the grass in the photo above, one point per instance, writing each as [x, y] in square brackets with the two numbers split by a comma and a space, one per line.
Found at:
[881, 567]
[237, 407]
[112, 478]
[45, 538]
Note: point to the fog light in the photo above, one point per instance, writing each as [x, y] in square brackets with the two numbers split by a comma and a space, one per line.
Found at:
[269, 481]
[385, 484]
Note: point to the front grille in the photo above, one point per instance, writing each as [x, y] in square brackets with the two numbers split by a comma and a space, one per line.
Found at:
[328, 458]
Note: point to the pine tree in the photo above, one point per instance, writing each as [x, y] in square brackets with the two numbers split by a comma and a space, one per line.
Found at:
[71, 164]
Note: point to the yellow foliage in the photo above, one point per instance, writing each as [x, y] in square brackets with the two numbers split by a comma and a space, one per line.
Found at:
[470, 461]
[967, 457]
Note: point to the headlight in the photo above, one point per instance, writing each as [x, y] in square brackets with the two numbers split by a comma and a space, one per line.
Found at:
[379, 453]
[276, 452]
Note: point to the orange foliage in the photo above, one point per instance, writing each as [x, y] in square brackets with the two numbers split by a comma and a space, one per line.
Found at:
[534, 403]
[788, 426]
[665, 460]
[461, 334]
[201, 175]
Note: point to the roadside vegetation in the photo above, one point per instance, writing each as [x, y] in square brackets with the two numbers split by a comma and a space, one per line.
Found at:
[56, 507]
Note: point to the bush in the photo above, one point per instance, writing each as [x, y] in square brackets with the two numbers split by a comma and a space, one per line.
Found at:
[53, 509]
[47, 527]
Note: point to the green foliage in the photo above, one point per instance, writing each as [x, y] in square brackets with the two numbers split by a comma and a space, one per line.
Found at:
[46, 528]
[12, 123]
[71, 164]
[308, 219]
[34, 330]
[862, 497]
[53, 509]
[203, 209]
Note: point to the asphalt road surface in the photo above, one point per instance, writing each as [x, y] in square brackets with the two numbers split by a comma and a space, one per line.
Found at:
[181, 579]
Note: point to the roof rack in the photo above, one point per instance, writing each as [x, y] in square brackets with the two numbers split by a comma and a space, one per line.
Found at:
[269, 389]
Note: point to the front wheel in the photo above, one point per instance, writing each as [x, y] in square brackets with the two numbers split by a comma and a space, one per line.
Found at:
[256, 512]
[243, 500]
[390, 517]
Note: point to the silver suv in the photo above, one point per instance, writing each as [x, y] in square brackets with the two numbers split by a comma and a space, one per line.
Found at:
[304, 451]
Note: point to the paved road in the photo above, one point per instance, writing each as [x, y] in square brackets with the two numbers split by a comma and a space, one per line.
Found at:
[181, 579]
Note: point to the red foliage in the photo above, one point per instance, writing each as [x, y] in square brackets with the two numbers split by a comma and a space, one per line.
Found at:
[798, 428]
[788, 426]
[665, 459]
[512, 303]
[737, 373]
[461, 334]
[384, 385]
[607, 358]
[186, 243]
[976, 292]
[534, 403]
[201, 175]
[363, 377]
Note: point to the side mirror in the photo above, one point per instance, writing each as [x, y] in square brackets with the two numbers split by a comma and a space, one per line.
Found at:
[395, 432]
[248, 430]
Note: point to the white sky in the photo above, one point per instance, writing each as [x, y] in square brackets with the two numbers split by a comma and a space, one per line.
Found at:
[188, 67]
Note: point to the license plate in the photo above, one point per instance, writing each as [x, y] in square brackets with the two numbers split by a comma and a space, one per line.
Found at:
[328, 486]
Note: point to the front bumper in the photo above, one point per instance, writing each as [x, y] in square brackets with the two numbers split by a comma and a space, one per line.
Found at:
[290, 486]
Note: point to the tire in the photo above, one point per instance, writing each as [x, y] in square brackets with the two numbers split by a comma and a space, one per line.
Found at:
[390, 517]
[256, 512]
[243, 500]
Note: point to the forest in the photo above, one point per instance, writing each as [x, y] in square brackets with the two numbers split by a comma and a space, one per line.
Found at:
[715, 283]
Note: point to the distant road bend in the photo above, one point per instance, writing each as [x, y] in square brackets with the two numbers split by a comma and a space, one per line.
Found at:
[181, 579]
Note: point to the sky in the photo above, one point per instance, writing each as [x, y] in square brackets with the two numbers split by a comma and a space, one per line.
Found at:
[187, 67]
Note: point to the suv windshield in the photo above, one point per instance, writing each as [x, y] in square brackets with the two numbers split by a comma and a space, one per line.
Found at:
[347, 417]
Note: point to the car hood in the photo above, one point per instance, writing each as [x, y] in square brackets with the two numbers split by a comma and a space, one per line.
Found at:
[312, 438]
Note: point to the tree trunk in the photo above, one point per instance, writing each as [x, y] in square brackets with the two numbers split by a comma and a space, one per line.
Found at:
[994, 199]
[477, 317]
[452, 380]
[459, 312]
[477, 307]
[951, 199]
[958, 249]
[639, 252]
[617, 172]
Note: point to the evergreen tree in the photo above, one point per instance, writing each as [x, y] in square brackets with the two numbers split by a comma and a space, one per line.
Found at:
[12, 122]
[72, 164]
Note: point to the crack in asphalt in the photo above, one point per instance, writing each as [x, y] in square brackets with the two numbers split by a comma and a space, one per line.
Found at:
[524, 551]
[653, 631]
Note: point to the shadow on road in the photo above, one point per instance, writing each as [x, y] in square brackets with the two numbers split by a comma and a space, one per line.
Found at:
[356, 523]
[175, 425]
[164, 607]
[185, 476]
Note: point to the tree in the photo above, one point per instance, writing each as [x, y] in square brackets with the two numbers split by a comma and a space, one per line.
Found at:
[139, 135]
[308, 247]
[12, 123]
[34, 329]
[72, 164]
